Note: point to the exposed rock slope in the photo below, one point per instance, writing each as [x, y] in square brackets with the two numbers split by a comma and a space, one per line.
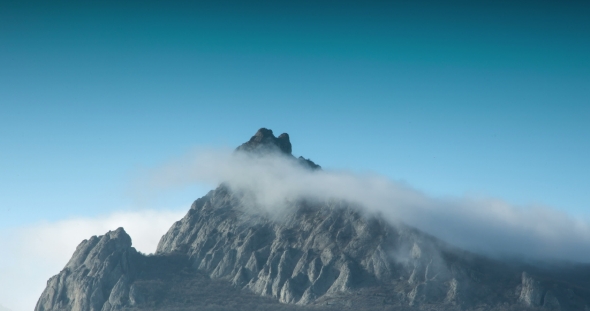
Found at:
[97, 277]
[318, 255]
[334, 254]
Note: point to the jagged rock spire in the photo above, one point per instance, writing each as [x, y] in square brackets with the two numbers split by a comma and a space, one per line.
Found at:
[97, 277]
[265, 140]
[317, 253]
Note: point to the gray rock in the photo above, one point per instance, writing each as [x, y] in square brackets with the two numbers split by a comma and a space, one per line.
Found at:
[264, 141]
[531, 294]
[96, 277]
[225, 255]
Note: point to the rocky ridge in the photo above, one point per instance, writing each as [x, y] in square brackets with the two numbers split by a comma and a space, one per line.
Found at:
[264, 142]
[97, 277]
[318, 255]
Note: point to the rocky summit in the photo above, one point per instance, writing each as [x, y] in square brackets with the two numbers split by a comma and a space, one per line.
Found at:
[227, 255]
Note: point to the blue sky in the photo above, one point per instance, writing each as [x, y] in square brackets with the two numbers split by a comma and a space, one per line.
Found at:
[489, 99]
[484, 99]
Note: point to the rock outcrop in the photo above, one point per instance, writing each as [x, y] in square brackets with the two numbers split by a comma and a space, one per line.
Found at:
[96, 278]
[326, 255]
[264, 142]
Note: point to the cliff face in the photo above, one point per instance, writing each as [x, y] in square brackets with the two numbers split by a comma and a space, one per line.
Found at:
[318, 255]
[331, 254]
[97, 277]
[311, 252]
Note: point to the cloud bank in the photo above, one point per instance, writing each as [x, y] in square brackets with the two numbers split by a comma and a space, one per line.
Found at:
[489, 226]
[32, 254]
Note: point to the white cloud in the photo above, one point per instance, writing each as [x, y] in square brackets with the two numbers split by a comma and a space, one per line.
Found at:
[489, 226]
[32, 254]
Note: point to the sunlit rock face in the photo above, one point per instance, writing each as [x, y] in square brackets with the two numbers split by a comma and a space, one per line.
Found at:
[227, 253]
[311, 251]
[97, 277]
[307, 253]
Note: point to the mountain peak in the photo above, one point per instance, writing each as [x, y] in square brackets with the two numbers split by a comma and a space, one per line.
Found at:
[265, 140]
[319, 254]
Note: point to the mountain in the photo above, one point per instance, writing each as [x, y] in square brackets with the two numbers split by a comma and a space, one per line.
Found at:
[225, 254]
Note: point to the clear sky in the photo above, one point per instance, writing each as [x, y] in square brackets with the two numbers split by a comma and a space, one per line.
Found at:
[455, 98]
[488, 99]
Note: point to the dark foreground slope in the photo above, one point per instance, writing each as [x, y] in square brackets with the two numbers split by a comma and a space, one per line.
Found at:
[227, 255]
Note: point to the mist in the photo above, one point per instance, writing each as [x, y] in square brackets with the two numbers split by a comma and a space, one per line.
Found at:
[34, 253]
[488, 226]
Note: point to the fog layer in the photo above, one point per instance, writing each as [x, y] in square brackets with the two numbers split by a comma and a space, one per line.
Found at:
[489, 226]
[34, 253]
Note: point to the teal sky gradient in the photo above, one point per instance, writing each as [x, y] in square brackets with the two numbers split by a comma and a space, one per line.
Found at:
[489, 99]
